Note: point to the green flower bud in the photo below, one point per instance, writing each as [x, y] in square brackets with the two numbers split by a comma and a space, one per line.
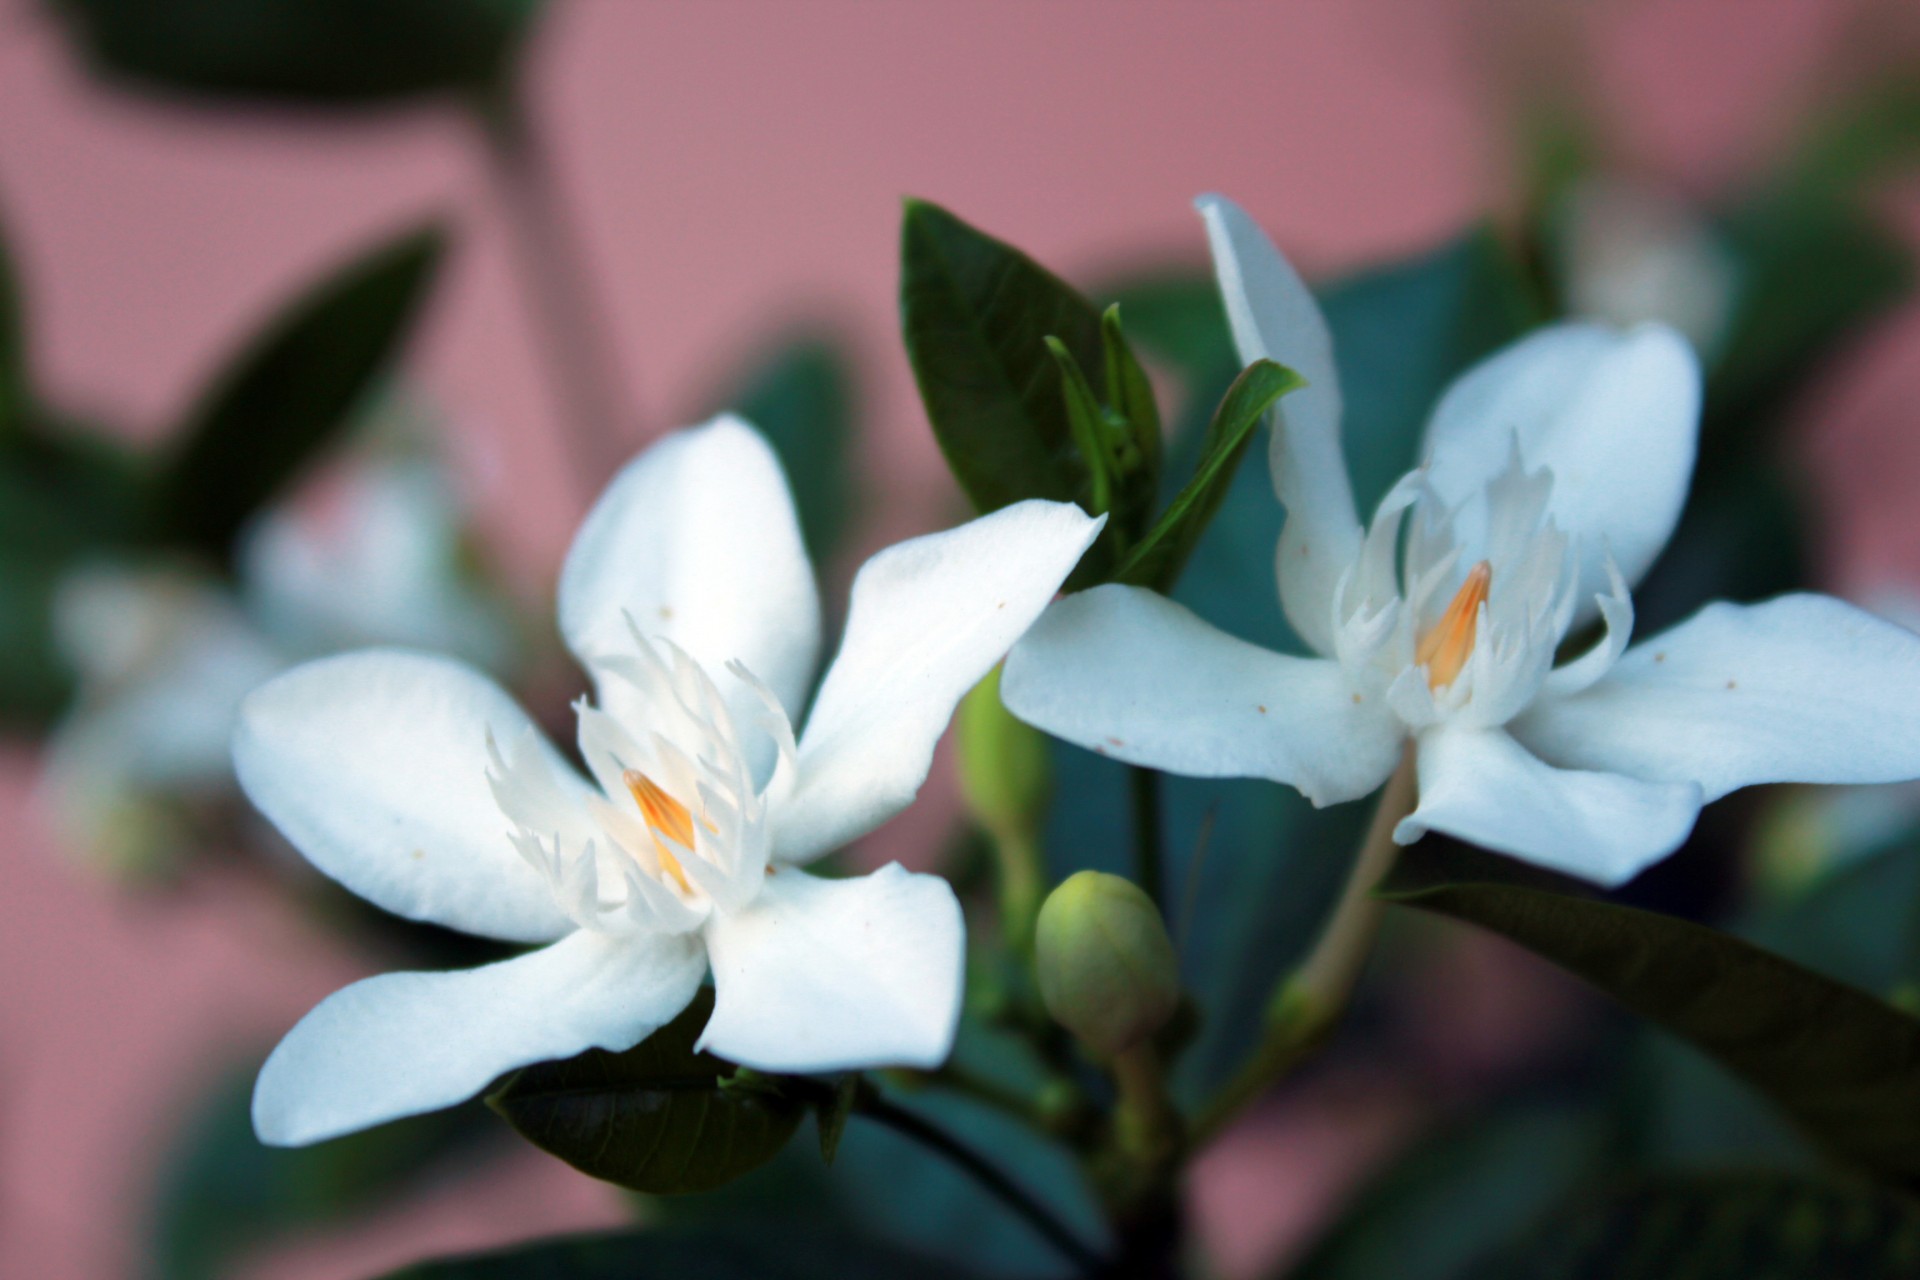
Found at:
[1105, 964]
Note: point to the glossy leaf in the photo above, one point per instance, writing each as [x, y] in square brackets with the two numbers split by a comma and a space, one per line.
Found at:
[1457, 1197]
[1753, 1226]
[976, 313]
[1158, 558]
[727, 1252]
[290, 394]
[220, 1193]
[301, 52]
[802, 399]
[1843, 1064]
[658, 1118]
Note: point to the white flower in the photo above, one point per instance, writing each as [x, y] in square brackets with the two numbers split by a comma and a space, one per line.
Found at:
[1557, 471]
[421, 786]
[163, 656]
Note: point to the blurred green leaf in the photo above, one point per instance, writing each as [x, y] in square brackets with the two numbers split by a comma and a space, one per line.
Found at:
[1873, 135]
[658, 1118]
[301, 52]
[801, 398]
[1743, 536]
[976, 313]
[66, 495]
[735, 1252]
[1843, 1064]
[1457, 1197]
[220, 1192]
[1812, 272]
[290, 394]
[1157, 559]
[1751, 1226]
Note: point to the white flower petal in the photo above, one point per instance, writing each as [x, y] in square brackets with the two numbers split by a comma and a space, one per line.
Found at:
[696, 540]
[1799, 689]
[404, 1043]
[1483, 787]
[1615, 416]
[1133, 675]
[833, 975]
[1274, 317]
[374, 764]
[928, 619]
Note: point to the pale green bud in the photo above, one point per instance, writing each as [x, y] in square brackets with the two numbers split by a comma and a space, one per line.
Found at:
[1106, 967]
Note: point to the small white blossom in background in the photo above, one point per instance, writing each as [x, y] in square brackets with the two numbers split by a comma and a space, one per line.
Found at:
[417, 783]
[1631, 254]
[1557, 469]
[163, 655]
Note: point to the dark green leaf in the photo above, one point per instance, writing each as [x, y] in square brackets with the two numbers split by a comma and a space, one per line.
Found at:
[1728, 1227]
[658, 1118]
[304, 52]
[1874, 135]
[1457, 1197]
[732, 1252]
[801, 399]
[290, 394]
[976, 314]
[1156, 561]
[15, 391]
[221, 1193]
[1842, 1064]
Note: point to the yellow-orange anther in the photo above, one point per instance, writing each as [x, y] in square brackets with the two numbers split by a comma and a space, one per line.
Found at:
[1444, 650]
[665, 817]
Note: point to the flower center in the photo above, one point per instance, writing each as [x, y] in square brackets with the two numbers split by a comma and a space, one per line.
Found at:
[666, 818]
[1444, 650]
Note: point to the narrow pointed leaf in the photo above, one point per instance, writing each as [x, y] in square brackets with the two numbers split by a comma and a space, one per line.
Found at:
[14, 392]
[658, 1118]
[976, 313]
[1158, 558]
[1130, 392]
[1743, 1226]
[1086, 422]
[293, 392]
[1844, 1065]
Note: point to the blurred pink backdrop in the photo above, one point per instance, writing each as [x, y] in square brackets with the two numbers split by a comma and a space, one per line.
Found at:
[735, 165]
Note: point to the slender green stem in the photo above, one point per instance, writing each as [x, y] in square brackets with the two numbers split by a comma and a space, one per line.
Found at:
[567, 316]
[1145, 786]
[1311, 999]
[1020, 867]
[982, 1089]
[935, 1139]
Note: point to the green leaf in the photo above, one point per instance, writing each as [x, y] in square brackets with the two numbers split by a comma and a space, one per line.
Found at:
[729, 1252]
[1130, 392]
[658, 1118]
[1743, 1226]
[300, 52]
[976, 313]
[291, 393]
[801, 399]
[1176, 317]
[1089, 426]
[1156, 561]
[832, 1117]
[1842, 1064]
[1457, 1197]
[220, 1193]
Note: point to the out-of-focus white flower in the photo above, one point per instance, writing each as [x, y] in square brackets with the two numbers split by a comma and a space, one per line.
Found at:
[1557, 471]
[1633, 254]
[163, 656]
[420, 785]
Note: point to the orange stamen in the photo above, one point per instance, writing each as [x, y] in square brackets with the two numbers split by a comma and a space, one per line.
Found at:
[1444, 650]
[665, 817]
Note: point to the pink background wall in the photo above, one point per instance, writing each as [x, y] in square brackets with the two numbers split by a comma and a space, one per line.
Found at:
[734, 165]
